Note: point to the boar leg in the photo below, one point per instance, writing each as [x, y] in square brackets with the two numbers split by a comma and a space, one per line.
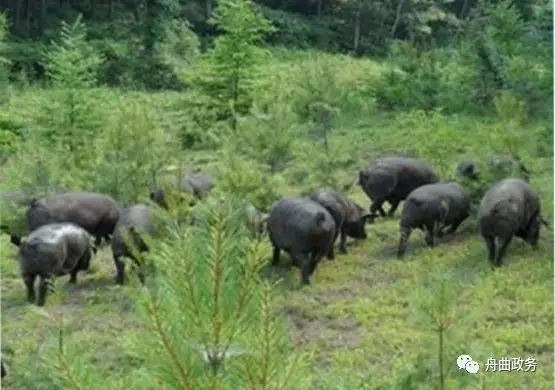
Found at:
[403, 240]
[315, 259]
[502, 249]
[331, 253]
[394, 204]
[490, 244]
[275, 257]
[343, 242]
[305, 266]
[73, 276]
[43, 289]
[120, 270]
[430, 232]
[377, 205]
[84, 261]
[30, 284]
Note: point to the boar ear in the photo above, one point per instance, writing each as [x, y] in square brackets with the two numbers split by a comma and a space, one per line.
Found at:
[16, 240]
[361, 177]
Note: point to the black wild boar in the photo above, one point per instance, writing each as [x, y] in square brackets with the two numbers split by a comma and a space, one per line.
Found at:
[392, 179]
[96, 213]
[509, 208]
[467, 169]
[432, 208]
[304, 229]
[158, 196]
[196, 183]
[53, 250]
[133, 222]
[349, 217]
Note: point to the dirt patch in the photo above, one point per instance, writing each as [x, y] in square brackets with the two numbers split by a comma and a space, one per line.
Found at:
[332, 333]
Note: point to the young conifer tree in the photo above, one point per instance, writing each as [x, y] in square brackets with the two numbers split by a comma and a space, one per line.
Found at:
[225, 75]
[436, 312]
[70, 117]
[211, 322]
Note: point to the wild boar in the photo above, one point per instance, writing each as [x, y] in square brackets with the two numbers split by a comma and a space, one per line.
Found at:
[96, 213]
[133, 222]
[432, 208]
[392, 179]
[350, 219]
[509, 208]
[304, 229]
[53, 250]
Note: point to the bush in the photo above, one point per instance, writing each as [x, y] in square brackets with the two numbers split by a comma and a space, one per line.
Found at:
[267, 137]
[246, 180]
[130, 153]
[11, 133]
[423, 80]
[315, 167]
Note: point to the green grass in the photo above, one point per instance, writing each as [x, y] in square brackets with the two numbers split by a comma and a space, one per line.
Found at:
[358, 317]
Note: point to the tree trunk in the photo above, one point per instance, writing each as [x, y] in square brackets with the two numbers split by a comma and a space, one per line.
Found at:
[208, 8]
[42, 15]
[28, 12]
[397, 18]
[90, 9]
[356, 37]
[464, 9]
[111, 9]
[319, 8]
[17, 23]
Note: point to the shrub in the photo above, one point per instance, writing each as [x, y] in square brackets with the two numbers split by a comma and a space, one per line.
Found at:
[267, 137]
[130, 153]
[421, 80]
[246, 180]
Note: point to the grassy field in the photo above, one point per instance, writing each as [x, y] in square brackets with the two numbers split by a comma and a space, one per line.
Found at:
[361, 320]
